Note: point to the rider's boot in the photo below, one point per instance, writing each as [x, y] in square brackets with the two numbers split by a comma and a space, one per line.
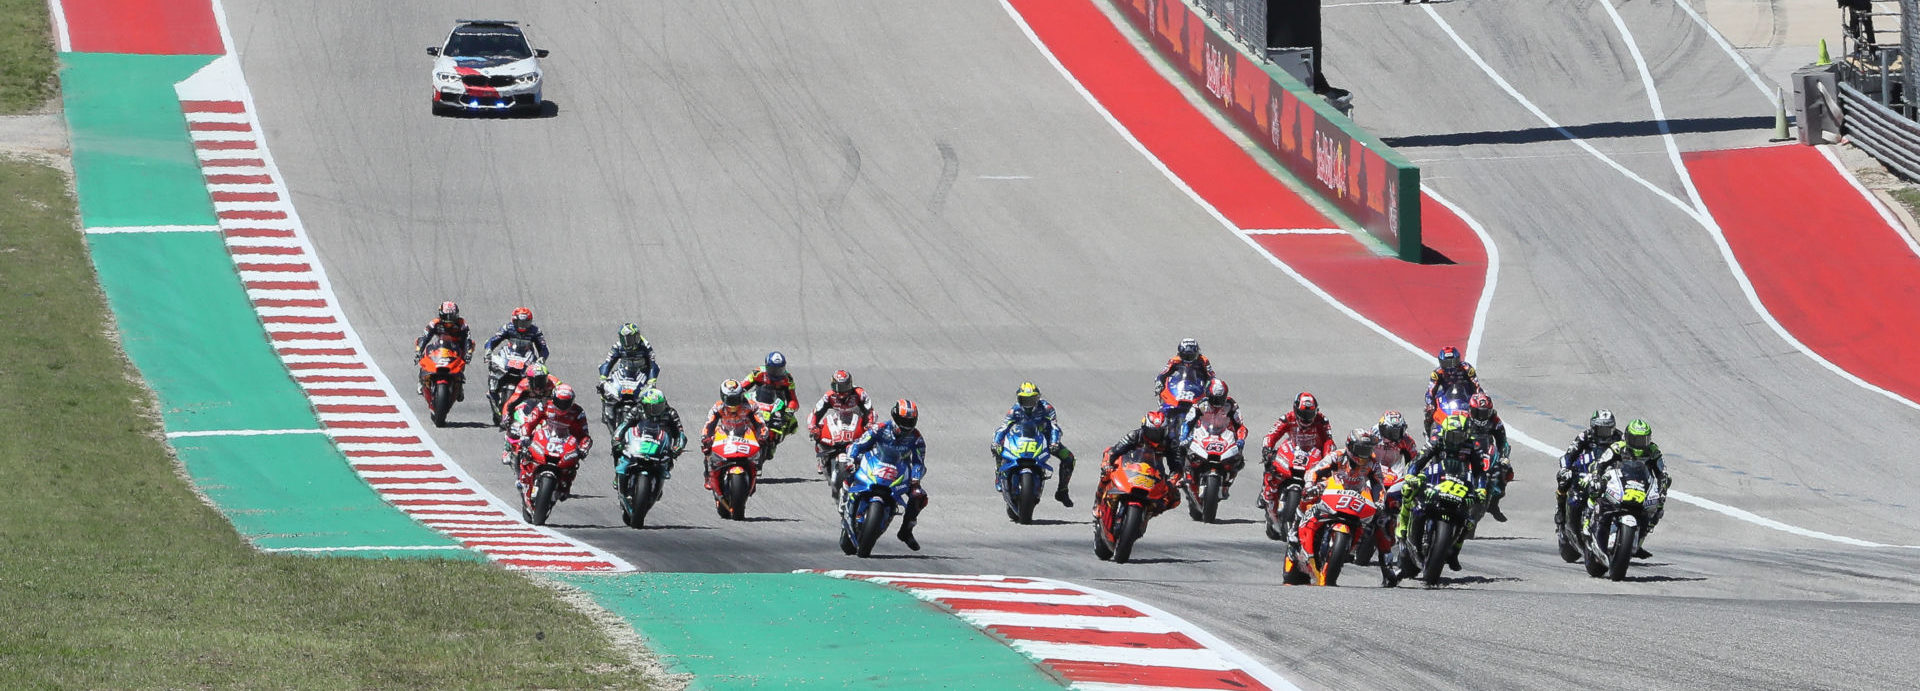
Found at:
[1389, 576]
[1493, 509]
[1060, 495]
[906, 535]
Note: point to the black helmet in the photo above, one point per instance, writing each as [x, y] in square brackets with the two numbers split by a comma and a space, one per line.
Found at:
[1217, 393]
[842, 382]
[731, 393]
[1360, 444]
[1602, 424]
[905, 414]
[1189, 349]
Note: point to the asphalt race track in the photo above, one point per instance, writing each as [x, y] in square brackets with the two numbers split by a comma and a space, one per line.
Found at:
[910, 191]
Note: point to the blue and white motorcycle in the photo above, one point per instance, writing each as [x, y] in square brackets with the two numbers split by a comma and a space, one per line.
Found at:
[1024, 469]
[877, 491]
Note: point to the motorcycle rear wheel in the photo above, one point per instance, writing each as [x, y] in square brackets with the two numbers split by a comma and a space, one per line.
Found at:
[1569, 552]
[1100, 547]
[442, 402]
[1280, 514]
[1133, 521]
[542, 497]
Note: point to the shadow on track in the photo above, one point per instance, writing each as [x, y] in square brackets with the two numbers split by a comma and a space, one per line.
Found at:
[467, 425]
[785, 480]
[1169, 560]
[768, 519]
[920, 557]
[1598, 130]
[1474, 580]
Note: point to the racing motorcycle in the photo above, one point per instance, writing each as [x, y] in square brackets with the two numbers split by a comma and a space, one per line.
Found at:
[1023, 470]
[549, 459]
[643, 464]
[1213, 451]
[733, 468]
[1338, 520]
[837, 430]
[1440, 516]
[1183, 388]
[1283, 483]
[1384, 521]
[442, 374]
[879, 490]
[1133, 492]
[1450, 401]
[621, 391]
[1621, 501]
[774, 413]
[1568, 534]
[507, 364]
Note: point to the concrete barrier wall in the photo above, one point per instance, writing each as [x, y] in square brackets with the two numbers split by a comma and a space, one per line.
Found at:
[1343, 164]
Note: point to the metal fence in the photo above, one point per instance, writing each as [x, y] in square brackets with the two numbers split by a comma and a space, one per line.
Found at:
[1245, 19]
[1881, 132]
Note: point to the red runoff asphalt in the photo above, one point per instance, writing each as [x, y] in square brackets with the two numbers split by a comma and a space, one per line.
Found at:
[1822, 259]
[1430, 305]
[149, 27]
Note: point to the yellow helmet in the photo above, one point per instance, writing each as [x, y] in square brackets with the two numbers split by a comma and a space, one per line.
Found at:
[1028, 395]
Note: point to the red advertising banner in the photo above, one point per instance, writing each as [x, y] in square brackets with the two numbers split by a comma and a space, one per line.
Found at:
[1342, 163]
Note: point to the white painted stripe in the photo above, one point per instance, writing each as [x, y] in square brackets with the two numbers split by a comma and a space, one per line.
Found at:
[223, 136]
[109, 230]
[354, 400]
[843, 573]
[943, 580]
[361, 417]
[273, 275]
[241, 187]
[394, 474]
[1295, 231]
[231, 170]
[396, 445]
[1047, 598]
[240, 432]
[442, 488]
[368, 548]
[62, 41]
[985, 618]
[224, 154]
[1719, 40]
[1893, 224]
[237, 241]
[588, 557]
[203, 116]
[1549, 121]
[417, 513]
[280, 205]
[1185, 658]
[271, 311]
[1213, 643]
[1485, 305]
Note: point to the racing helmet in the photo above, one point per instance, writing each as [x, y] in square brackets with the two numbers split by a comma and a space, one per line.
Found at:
[1453, 431]
[1217, 392]
[905, 414]
[731, 394]
[1028, 396]
[842, 382]
[1602, 424]
[1449, 358]
[1393, 426]
[449, 313]
[1360, 445]
[653, 402]
[1189, 350]
[1480, 406]
[563, 396]
[539, 377]
[776, 364]
[1305, 407]
[630, 336]
[1153, 427]
[1639, 435]
[522, 319]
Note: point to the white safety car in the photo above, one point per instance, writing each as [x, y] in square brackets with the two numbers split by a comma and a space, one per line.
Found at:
[486, 65]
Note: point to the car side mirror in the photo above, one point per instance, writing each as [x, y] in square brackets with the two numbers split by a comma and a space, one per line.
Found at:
[434, 51]
[541, 53]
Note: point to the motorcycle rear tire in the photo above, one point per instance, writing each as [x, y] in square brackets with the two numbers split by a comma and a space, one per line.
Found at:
[1283, 513]
[1209, 498]
[442, 402]
[542, 497]
[734, 489]
[872, 525]
[1569, 552]
[1133, 522]
[1624, 538]
[1338, 547]
[1439, 545]
[836, 475]
[846, 543]
[1025, 497]
[1100, 547]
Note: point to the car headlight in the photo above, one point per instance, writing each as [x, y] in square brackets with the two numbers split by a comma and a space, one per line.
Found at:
[528, 78]
[447, 77]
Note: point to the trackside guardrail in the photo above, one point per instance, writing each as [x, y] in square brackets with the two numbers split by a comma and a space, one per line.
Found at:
[1344, 164]
[1880, 131]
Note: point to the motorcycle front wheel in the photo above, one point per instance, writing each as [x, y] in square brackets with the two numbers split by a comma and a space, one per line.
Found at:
[542, 497]
[1439, 543]
[1133, 522]
[442, 402]
[1209, 497]
[1338, 547]
[1025, 497]
[1622, 555]
[873, 523]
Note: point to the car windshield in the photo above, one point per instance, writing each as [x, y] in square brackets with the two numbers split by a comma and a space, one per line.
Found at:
[487, 43]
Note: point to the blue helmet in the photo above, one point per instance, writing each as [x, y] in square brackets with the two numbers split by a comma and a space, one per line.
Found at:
[776, 363]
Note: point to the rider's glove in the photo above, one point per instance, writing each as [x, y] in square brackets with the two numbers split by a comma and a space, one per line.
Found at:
[1565, 476]
[1267, 455]
[1399, 532]
[1482, 493]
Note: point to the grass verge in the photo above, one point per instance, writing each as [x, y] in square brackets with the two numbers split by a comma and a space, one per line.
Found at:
[26, 56]
[115, 575]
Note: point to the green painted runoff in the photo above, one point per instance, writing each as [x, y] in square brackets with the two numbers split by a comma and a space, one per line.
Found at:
[133, 162]
[799, 630]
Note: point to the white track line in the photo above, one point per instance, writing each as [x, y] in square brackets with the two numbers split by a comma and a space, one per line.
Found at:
[1491, 253]
[368, 548]
[241, 432]
[63, 41]
[1893, 224]
[1721, 41]
[112, 230]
